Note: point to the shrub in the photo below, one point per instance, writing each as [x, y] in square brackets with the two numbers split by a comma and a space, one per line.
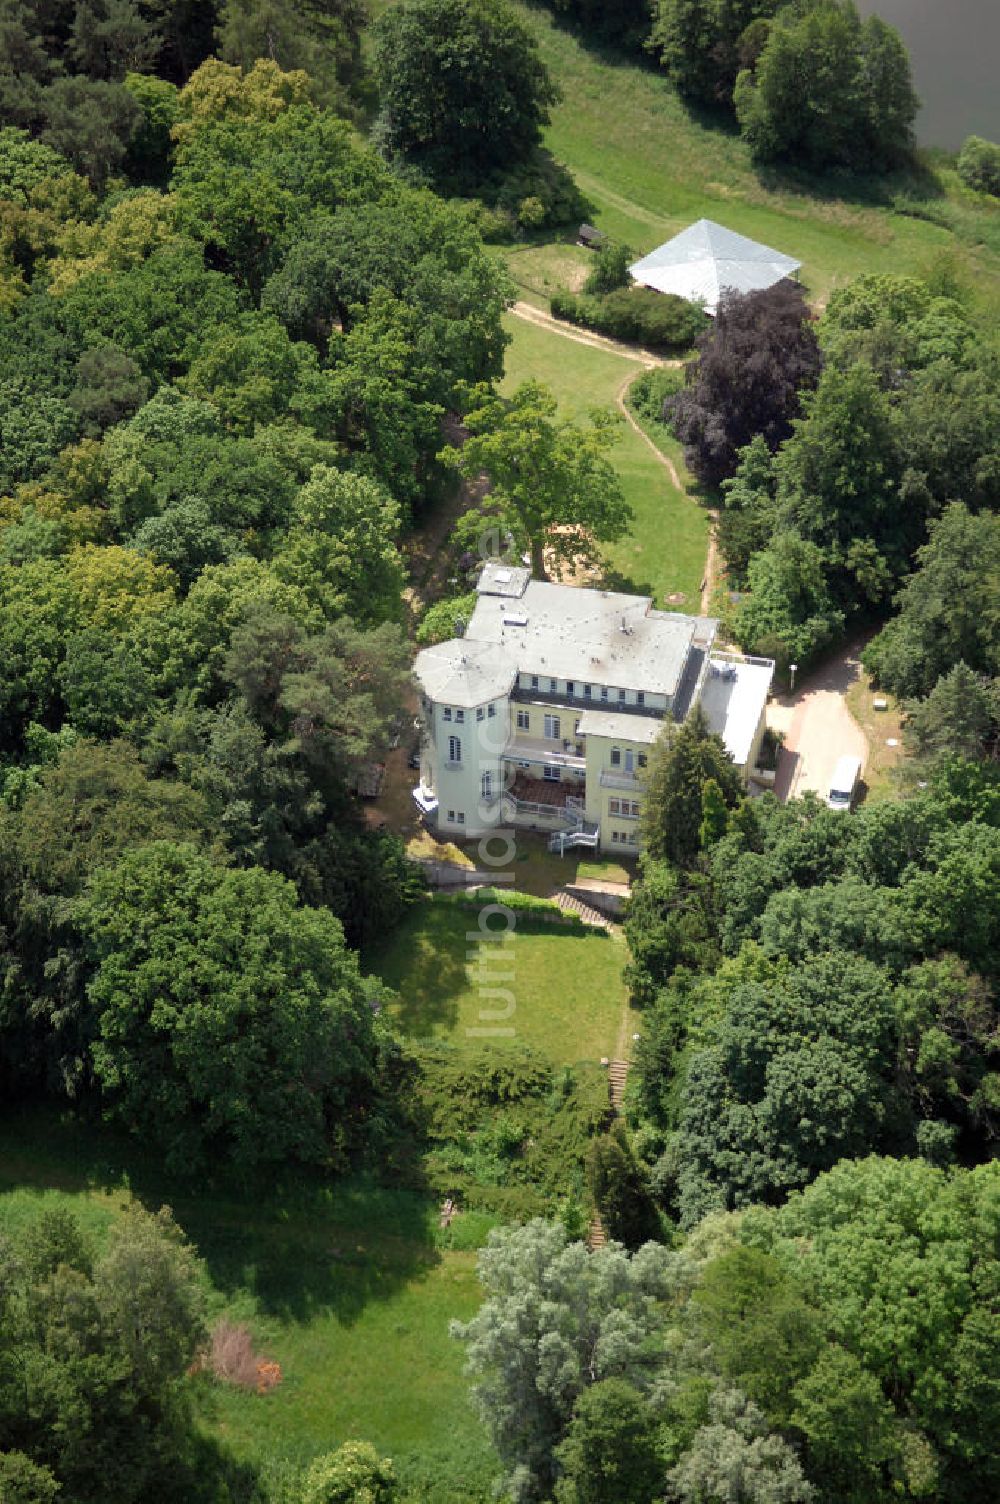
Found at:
[636, 315]
[501, 1133]
[979, 165]
[538, 193]
[649, 391]
[440, 619]
[232, 1360]
[611, 268]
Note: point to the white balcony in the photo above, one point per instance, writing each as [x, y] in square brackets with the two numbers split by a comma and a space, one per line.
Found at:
[549, 751]
[620, 778]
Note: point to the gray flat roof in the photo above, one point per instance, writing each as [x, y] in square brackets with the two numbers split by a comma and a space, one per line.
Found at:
[624, 728]
[706, 260]
[464, 673]
[591, 636]
[502, 579]
[733, 697]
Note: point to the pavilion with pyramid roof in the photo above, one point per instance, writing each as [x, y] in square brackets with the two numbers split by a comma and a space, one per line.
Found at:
[706, 260]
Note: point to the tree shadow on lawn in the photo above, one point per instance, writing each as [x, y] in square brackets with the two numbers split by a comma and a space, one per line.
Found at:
[295, 1243]
[425, 965]
[316, 1251]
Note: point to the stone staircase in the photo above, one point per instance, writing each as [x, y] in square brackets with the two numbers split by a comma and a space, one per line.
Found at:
[596, 1236]
[617, 1076]
[573, 905]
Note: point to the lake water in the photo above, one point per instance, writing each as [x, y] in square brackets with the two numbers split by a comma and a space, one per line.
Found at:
[954, 48]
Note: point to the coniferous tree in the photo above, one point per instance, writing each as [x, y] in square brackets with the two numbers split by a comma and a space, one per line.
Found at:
[683, 761]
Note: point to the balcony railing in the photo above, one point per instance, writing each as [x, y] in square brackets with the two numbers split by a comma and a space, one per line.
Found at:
[551, 753]
[578, 701]
[619, 778]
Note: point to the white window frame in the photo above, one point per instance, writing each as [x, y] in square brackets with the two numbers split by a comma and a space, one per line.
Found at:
[551, 774]
[446, 713]
[523, 720]
[552, 725]
[455, 750]
[460, 717]
[491, 711]
[616, 757]
[486, 785]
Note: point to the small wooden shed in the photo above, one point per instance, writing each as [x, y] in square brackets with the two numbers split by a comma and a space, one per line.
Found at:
[591, 238]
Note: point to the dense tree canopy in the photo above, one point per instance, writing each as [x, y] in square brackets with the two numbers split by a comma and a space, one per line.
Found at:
[231, 1021]
[461, 87]
[95, 1349]
[754, 365]
[828, 89]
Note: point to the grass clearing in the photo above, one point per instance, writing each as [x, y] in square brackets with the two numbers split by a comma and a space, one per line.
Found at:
[879, 726]
[542, 269]
[343, 1284]
[569, 997]
[650, 167]
[664, 553]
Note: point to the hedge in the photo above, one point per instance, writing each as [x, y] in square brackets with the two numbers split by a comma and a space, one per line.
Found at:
[636, 315]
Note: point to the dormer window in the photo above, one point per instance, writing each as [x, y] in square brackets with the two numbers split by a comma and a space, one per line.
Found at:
[621, 697]
[534, 681]
[604, 692]
[570, 688]
[446, 713]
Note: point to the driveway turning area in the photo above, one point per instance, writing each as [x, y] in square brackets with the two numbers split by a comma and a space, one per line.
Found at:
[819, 729]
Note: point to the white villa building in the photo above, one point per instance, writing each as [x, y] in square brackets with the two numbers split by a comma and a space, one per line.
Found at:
[543, 712]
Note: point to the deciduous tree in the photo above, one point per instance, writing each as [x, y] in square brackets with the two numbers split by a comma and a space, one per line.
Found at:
[550, 479]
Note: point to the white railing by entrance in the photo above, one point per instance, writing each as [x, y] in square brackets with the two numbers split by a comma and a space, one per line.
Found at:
[564, 840]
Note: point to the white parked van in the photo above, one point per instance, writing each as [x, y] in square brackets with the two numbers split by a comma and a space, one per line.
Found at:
[844, 784]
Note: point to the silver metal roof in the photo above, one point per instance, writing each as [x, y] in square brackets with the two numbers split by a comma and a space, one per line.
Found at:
[706, 260]
[591, 636]
[464, 673]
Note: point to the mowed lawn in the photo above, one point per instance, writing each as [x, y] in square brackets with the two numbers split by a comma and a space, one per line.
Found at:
[664, 552]
[342, 1283]
[650, 168]
[555, 989]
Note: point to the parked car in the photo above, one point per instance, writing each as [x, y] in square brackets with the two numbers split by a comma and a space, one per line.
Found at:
[844, 784]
